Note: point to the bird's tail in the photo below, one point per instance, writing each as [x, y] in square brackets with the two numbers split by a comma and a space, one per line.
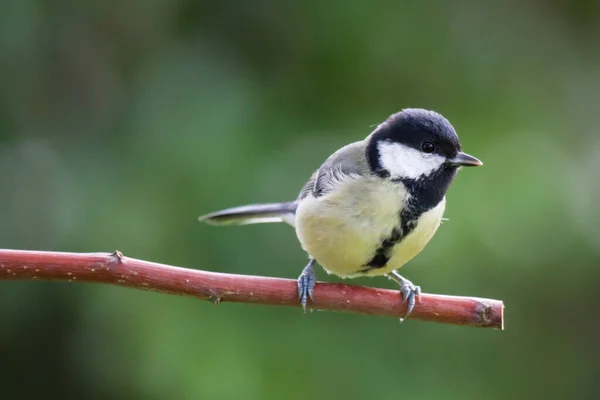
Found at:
[253, 214]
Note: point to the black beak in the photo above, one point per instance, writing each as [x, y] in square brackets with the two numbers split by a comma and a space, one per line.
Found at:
[464, 160]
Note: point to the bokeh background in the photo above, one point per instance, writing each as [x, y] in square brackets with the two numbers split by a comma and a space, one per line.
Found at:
[122, 121]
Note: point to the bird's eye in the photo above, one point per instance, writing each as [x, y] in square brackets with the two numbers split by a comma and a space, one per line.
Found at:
[427, 147]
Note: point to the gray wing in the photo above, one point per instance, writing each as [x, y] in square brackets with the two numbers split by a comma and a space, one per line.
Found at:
[308, 186]
[349, 160]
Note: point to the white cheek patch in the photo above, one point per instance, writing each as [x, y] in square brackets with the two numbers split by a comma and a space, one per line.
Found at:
[405, 162]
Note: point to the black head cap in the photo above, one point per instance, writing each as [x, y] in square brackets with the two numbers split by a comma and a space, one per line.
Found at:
[415, 126]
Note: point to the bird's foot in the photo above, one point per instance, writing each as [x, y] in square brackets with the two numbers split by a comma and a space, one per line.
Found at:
[408, 289]
[306, 283]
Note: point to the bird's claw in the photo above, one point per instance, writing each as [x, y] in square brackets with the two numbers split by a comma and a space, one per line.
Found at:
[409, 292]
[306, 283]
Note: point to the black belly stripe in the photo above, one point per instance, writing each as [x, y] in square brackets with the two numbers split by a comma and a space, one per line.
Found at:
[408, 222]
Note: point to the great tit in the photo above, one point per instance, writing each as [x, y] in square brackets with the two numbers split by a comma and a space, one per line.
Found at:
[373, 205]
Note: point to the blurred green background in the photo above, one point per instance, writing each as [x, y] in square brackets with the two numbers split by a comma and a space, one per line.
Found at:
[121, 122]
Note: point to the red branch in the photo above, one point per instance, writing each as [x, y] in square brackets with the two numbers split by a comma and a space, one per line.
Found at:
[115, 269]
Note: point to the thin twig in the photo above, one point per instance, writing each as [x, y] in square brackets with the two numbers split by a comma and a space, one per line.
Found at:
[116, 269]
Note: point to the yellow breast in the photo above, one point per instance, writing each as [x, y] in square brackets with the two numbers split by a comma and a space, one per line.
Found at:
[342, 229]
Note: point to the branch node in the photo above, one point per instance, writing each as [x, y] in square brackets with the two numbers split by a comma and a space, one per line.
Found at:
[118, 256]
[485, 314]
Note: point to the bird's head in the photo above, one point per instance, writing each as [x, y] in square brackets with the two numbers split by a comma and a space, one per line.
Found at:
[416, 145]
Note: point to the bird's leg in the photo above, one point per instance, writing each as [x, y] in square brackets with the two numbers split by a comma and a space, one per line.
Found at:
[408, 290]
[306, 283]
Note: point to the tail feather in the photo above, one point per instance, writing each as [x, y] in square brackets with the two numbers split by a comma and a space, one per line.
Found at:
[253, 214]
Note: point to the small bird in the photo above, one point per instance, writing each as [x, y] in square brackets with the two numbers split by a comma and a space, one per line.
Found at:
[373, 205]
